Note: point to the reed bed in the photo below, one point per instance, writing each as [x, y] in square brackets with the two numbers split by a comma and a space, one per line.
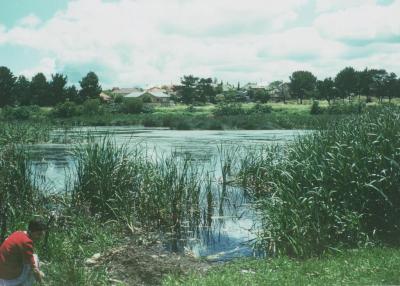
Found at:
[331, 189]
[115, 182]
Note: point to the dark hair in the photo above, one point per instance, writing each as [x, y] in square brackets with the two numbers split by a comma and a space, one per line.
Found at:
[36, 225]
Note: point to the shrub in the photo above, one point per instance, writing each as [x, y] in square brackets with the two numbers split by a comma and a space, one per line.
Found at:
[228, 109]
[17, 113]
[346, 108]
[336, 187]
[131, 106]
[65, 110]
[92, 107]
[315, 108]
[260, 108]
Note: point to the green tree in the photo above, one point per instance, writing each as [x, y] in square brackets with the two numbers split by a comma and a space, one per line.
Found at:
[302, 83]
[364, 83]
[188, 89]
[379, 83]
[392, 86]
[22, 91]
[90, 87]
[58, 92]
[347, 82]
[7, 85]
[205, 91]
[39, 90]
[73, 95]
[326, 89]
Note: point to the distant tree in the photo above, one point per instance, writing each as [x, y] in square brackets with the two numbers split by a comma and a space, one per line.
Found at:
[39, 90]
[7, 85]
[379, 83]
[90, 87]
[72, 94]
[58, 92]
[347, 82]
[364, 83]
[205, 91]
[326, 89]
[302, 83]
[262, 95]
[187, 89]
[392, 86]
[22, 91]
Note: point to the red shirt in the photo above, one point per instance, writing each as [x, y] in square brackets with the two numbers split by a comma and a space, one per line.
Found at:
[16, 251]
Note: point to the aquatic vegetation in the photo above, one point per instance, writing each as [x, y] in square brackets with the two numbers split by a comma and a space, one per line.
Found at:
[333, 188]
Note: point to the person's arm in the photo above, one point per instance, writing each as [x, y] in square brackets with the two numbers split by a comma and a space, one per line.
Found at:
[28, 258]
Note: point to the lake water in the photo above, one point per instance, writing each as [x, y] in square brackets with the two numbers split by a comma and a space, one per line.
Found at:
[228, 222]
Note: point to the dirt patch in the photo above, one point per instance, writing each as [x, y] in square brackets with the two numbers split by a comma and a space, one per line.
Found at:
[145, 265]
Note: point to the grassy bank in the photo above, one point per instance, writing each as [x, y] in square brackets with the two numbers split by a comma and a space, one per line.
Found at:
[183, 117]
[375, 266]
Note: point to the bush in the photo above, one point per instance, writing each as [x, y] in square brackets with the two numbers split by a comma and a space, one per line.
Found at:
[260, 108]
[337, 187]
[92, 107]
[228, 109]
[17, 113]
[315, 108]
[346, 108]
[65, 110]
[131, 106]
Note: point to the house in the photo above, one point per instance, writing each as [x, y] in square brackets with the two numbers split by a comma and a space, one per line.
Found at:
[125, 91]
[150, 96]
[105, 97]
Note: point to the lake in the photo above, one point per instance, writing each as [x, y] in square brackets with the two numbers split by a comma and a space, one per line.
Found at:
[228, 222]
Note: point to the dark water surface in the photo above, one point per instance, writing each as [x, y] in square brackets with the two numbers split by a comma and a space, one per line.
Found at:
[227, 221]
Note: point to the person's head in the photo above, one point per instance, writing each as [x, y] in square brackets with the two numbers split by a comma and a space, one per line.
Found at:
[36, 228]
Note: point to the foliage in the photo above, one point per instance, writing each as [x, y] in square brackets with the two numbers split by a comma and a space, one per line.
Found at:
[66, 110]
[39, 90]
[90, 87]
[228, 109]
[336, 187]
[260, 108]
[131, 105]
[7, 81]
[302, 83]
[346, 108]
[346, 82]
[92, 107]
[18, 195]
[315, 108]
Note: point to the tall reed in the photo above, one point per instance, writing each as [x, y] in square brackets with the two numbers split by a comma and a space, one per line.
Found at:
[337, 187]
[19, 197]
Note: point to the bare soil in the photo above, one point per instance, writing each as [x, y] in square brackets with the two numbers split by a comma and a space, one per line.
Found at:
[133, 264]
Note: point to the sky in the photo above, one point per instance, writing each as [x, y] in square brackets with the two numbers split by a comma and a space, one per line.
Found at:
[151, 42]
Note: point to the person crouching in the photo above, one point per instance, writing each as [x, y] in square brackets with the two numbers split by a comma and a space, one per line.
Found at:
[18, 263]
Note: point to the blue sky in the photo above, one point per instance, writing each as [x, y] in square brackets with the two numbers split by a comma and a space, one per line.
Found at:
[149, 42]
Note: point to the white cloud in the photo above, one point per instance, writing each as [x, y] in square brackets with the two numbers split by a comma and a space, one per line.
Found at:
[29, 21]
[47, 66]
[367, 22]
[156, 41]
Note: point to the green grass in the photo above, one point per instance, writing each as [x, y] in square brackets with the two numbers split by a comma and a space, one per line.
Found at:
[375, 266]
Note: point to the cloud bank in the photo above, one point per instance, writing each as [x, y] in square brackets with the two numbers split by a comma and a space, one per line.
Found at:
[145, 42]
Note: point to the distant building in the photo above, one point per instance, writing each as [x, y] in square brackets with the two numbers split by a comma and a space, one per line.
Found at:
[125, 91]
[104, 96]
[156, 96]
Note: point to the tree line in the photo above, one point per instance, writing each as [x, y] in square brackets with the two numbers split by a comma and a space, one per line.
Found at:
[42, 92]
[348, 83]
